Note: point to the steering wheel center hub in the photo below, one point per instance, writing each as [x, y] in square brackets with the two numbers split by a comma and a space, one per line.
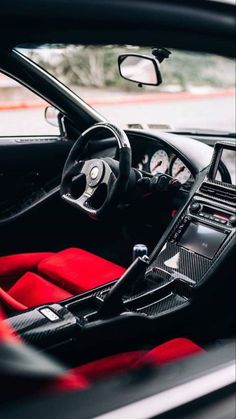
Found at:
[95, 173]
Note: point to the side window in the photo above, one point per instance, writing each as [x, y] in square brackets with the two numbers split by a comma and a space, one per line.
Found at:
[21, 111]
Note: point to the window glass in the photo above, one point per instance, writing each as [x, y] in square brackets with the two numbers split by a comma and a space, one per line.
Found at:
[197, 92]
[21, 111]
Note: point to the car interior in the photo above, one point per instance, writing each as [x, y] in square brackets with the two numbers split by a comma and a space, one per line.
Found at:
[118, 245]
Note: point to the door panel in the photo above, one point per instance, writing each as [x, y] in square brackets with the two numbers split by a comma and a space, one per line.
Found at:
[29, 166]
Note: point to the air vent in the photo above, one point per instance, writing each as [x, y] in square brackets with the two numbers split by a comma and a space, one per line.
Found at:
[217, 192]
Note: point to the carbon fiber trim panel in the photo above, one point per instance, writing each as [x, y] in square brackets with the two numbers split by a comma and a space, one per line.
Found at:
[37, 329]
[166, 304]
[175, 259]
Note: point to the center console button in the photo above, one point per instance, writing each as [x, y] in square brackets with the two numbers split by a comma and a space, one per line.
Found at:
[49, 314]
[223, 221]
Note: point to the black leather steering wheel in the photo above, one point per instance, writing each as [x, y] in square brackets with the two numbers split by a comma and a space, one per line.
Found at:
[94, 186]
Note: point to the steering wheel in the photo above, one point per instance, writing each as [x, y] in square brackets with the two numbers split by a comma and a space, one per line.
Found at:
[96, 185]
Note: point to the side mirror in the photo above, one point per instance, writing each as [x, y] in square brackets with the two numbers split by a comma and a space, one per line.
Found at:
[51, 116]
[140, 69]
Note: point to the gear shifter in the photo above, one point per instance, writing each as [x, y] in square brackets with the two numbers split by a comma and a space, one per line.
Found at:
[113, 304]
[139, 250]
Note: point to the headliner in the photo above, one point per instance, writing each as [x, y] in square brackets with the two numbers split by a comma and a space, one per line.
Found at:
[199, 25]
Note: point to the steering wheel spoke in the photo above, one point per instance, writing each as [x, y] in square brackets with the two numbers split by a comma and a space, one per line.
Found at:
[83, 202]
[110, 179]
[74, 169]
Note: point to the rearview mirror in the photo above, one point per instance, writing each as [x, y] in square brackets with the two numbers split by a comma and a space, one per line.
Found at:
[140, 69]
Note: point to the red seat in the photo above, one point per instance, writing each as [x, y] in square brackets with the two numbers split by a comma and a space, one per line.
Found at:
[32, 288]
[78, 270]
[31, 279]
[84, 376]
[13, 266]
[170, 351]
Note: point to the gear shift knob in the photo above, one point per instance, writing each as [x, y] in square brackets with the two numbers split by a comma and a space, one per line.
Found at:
[139, 250]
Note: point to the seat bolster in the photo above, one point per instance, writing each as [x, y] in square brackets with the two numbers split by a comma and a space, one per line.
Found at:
[17, 265]
[78, 270]
[32, 290]
[171, 351]
[167, 352]
[9, 302]
[105, 367]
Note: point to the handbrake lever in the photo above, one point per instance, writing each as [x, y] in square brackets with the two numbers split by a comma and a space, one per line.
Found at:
[113, 304]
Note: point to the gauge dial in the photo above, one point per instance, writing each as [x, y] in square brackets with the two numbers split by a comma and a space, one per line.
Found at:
[159, 162]
[179, 171]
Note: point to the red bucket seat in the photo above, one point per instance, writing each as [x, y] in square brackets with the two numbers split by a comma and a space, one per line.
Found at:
[83, 376]
[31, 279]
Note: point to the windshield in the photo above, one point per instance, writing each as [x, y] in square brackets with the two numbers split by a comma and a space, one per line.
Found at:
[197, 92]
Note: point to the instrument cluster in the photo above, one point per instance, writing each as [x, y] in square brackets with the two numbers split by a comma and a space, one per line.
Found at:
[163, 161]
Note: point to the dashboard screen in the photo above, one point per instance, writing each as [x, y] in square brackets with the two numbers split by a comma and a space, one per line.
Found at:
[202, 239]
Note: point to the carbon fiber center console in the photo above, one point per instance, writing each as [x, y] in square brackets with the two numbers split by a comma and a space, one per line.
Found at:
[203, 232]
